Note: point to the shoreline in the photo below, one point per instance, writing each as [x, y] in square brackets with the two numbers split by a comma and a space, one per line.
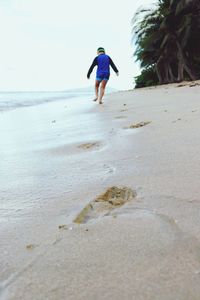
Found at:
[135, 251]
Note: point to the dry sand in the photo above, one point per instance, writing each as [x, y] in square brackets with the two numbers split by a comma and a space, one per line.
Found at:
[128, 171]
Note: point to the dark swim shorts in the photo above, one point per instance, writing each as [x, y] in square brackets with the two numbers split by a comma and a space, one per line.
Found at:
[102, 76]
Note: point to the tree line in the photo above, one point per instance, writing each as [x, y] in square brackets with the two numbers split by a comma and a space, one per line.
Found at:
[167, 40]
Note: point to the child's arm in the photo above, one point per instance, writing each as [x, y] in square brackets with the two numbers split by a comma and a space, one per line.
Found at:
[113, 66]
[92, 67]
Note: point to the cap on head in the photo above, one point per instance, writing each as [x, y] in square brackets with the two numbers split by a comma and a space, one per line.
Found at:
[101, 50]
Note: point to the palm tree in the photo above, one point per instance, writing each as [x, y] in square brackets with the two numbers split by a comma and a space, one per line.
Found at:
[166, 39]
[154, 41]
[187, 12]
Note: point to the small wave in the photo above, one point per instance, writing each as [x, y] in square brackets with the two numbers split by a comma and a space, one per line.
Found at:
[13, 100]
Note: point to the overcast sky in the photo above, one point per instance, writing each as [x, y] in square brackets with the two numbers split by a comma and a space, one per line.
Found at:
[50, 44]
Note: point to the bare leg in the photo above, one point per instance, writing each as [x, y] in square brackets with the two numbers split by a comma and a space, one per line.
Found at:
[97, 83]
[102, 90]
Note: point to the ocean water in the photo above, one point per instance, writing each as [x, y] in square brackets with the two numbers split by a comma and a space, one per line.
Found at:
[13, 100]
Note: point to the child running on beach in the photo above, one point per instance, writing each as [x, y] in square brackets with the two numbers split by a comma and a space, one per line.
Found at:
[103, 63]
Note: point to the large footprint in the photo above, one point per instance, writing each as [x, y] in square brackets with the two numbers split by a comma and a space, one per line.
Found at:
[113, 198]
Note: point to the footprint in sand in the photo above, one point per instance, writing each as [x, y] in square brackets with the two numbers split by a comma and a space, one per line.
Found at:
[31, 246]
[176, 120]
[63, 227]
[112, 199]
[120, 117]
[109, 169]
[181, 85]
[138, 125]
[194, 84]
[87, 146]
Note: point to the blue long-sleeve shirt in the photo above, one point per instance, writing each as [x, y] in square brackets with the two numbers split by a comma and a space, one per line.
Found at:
[103, 63]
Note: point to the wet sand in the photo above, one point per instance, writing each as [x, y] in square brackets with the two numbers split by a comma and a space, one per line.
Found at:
[102, 202]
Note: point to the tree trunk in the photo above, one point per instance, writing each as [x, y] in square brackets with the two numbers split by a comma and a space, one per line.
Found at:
[183, 63]
[166, 68]
[159, 71]
[171, 75]
[180, 71]
[162, 70]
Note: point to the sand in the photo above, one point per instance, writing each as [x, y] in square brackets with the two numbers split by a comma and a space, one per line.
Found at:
[128, 171]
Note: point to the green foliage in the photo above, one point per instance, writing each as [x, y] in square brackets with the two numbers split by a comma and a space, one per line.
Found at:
[167, 42]
[147, 77]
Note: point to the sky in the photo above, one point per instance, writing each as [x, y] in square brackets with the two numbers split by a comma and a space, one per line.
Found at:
[50, 44]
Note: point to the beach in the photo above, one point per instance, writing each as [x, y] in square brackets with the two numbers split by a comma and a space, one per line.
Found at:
[102, 201]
